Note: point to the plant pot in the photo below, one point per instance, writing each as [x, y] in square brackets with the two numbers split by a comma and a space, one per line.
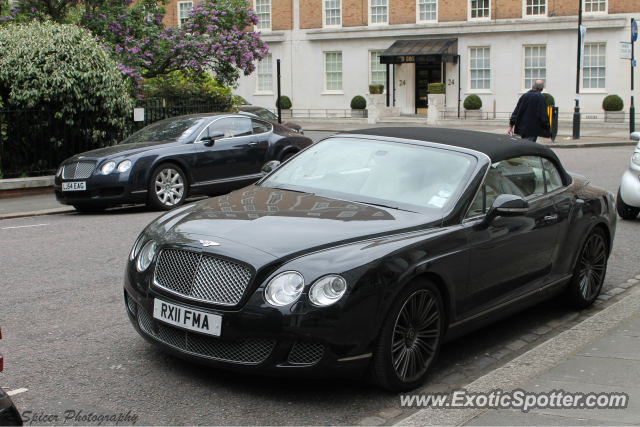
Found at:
[473, 114]
[614, 116]
[359, 114]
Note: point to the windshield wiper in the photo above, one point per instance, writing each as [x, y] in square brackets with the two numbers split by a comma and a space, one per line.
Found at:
[385, 206]
[280, 187]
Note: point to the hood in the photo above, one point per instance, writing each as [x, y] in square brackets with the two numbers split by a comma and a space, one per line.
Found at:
[286, 223]
[120, 149]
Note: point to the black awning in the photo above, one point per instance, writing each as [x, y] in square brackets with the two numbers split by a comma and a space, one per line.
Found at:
[429, 50]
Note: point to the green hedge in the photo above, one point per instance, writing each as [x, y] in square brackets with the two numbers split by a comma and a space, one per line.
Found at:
[612, 103]
[436, 88]
[473, 102]
[286, 102]
[358, 103]
[376, 89]
[550, 101]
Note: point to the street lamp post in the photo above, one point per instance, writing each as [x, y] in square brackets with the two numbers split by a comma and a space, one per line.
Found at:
[576, 112]
[632, 111]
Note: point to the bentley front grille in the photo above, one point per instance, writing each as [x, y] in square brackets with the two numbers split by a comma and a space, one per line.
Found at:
[306, 353]
[133, 307]
[201, 276]
[80, 170]
[249, 352]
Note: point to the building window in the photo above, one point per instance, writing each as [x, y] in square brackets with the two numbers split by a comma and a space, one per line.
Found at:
[333, 71]
[595, 6]
[378, 71]
[536, 8]
[332, 13]
[378, 12]
[265, 74]
[594, 67]
[480, 9]
[183, 11]
[427, 10]
[263, 9]
[535, 65]
[480, 68]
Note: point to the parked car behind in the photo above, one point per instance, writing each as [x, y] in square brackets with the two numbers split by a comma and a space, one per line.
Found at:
[268, 115]
[170, 160]
[628, 200]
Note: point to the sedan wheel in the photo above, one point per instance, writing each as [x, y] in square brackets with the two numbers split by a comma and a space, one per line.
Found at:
[409, 339]
[167, 188]
[588, 275]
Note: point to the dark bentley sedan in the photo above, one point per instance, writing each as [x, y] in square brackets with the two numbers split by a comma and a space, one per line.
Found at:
[170, 160]
[268, 115]
[365, 252]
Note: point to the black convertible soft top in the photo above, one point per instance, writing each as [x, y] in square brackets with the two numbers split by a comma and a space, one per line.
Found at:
[496, 147]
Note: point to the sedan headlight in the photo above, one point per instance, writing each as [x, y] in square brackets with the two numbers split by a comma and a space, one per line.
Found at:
[59, 171]
[284, 289]
[636, 158]
[136, 247]
[108, 168]
[146, 256]
[327, 290]
[124, 166]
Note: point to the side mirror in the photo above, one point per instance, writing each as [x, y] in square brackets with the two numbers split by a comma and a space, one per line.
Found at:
[635, 136]
[211, 139]
[270, 167]
[504, 205]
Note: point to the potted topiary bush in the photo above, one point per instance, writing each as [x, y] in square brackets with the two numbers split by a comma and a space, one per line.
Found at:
[376, 89]
[436, 94]
[358, 107]
[550, 101]
[286, 106]
[473, 107]
[612, 106]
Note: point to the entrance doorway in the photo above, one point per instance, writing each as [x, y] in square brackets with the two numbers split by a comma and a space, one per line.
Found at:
[425, 74]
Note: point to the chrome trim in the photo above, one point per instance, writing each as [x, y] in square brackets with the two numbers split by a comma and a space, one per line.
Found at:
[348, 359]
[513, 209]
[220, 181]
[159, 286]
[555, 282]
[140, 191]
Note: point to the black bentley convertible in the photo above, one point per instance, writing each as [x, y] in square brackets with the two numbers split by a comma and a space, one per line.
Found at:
[365, 252]
[170, 160]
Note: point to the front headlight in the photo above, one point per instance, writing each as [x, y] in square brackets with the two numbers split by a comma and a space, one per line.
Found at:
[124, 166]
[146, 256]
[284, 289]
[636, 158]
[108, 168]
[327, 290]
[59, 171]
[136, 247]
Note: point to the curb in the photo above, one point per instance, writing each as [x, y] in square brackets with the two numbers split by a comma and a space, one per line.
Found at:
[533, 363]
[590, 144]
[55, 211]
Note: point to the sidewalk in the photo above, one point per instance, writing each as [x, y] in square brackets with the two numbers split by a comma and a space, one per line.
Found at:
[599, 355]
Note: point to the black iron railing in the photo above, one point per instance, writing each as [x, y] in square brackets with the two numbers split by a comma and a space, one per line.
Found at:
[35, 142]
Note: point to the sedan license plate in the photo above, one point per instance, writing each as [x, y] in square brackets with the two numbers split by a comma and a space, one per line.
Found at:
[186, 318]
[74, 186]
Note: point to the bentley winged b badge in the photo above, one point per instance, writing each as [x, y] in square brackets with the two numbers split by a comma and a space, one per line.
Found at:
[206, 243]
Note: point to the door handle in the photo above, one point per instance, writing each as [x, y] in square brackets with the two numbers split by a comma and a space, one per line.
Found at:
[253, 144]
[550, 217]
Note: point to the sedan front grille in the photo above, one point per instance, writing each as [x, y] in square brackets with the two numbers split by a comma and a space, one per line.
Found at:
[133, 307]
[249, 352]
[306, 353]
[80, 170]
[201, 276]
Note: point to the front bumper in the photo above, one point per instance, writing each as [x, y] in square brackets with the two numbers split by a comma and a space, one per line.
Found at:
[9, 415]
[102, 190]
[630, 186]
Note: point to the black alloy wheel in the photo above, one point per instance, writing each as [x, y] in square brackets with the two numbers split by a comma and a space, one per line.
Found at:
[410, 338]
[624, 210]
[590, 270]
[167, 188]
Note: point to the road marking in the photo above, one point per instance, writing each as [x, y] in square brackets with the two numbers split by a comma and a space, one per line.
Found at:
[17, 391]
[23, 226]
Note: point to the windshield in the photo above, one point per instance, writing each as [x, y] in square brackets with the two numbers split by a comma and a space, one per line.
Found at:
[166, 131]
[402, 176]
[265, 114]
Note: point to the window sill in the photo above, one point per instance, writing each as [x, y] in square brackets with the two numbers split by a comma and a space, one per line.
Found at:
[264, 94]
[593, 92]
[332, 27]
[332, 93]
[379, 24]
[479, 92]
[427, 22]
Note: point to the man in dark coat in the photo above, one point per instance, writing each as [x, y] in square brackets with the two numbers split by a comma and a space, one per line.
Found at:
[530, 117]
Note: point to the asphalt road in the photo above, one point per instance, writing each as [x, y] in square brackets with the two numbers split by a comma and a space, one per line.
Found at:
[67, 338]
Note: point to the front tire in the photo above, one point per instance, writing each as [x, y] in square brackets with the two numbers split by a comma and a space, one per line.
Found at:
[167, 188]
[624, 210]
[409, 340]
[589, 272]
